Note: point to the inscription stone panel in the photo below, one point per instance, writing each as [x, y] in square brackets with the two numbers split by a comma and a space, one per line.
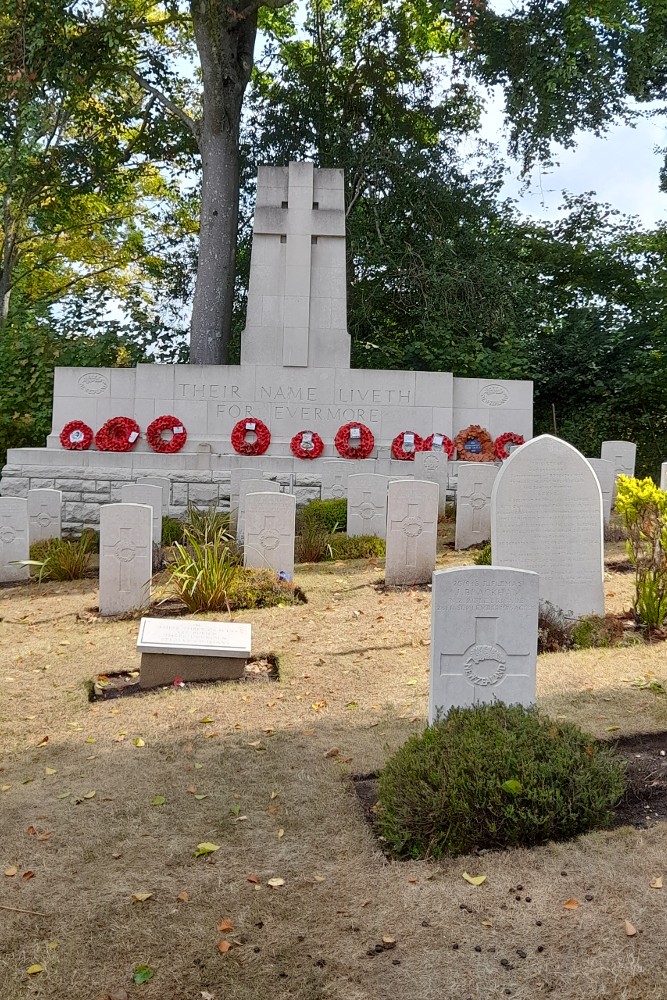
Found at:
[483, 637]
[14, 543]
[412, 531]
[247, 486]
[473, 503]
[546, 516]
[431, 467]
[126, 557]
[367, 505]
[152, 496]
[606, 474]
[622, 454]
[192, 650]
[269, 532]
[44, 514]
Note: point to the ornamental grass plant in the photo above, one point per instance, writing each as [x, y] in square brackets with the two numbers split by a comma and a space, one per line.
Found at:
[61, 559]
[203, 573]
[643, 510]
[495, 776]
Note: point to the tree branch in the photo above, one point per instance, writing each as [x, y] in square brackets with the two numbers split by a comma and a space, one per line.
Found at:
[191, 123]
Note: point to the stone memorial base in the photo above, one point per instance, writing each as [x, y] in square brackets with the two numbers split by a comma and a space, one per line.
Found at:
[158, 669]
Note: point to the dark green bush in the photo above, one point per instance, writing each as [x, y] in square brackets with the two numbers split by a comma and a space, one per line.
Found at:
[483, 556]
[328, 515]
[172, 530]
[356, 547]
[495, 776]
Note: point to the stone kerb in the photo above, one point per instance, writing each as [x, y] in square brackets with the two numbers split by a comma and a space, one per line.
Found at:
[14, 543]
[546, 516]
[44, 514]
[483, 637]
[412, 532]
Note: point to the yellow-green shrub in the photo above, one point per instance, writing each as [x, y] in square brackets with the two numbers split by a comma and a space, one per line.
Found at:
[643, 509]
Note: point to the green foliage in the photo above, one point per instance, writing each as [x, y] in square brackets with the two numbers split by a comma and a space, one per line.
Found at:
[494, 777]
[61, 559]
[92, 539]
[262, 588]
[173, 530]
[598, 632]
[483, 557]
[554, 629]
[311, 543]
[206, 525]
[203, 573]
[343, 546]
[643, 508]
[329, 515]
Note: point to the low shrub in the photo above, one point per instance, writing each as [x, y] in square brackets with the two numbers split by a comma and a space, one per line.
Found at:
[643, 509]
[554, 629]
[203, 573]
[355, 546]
[203, 525]
[172, 530]
[61, 559]
[311, 544]
[495, 776]
[328, 515]
[93, 539]
[598, 632]
[483, 556]
[261, 588]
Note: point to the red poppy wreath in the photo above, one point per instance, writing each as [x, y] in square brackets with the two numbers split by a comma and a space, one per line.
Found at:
[440, 441]
[500, 447]
[398, 450]
[76, 436]
[307, 444]
[354, 432]
[250, 425]
[117, 434]
[166, 446]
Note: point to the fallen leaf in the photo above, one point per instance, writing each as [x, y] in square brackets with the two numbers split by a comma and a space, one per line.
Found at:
[224, 946]
[206, 719]
[201, 796]
[158, 800]
[32, 970]
[45, 836]
[28, 875]
[50, 770]
[486, 923]
[274, 795]
[198, 766]
[281, 833]
[142, 974]
[138, 742]
[275, 883]
[116, 855]
[141, 897]
[512, 786]
[613, 729]
[5, 788]
[90, 795]
[10, 872]
[333, 752]
[571, 904]
[183, 897]
[206, 996]
[629, 929]
[42, 743]
[91, 739]
[32, 831]
[250, 878]
[192, 789]
[52, 945]
[205, 848]
[388, 941]
[225, 925]
[117, 995]
[63, 795]
[318, 878]
[474, 879]
[656, 883]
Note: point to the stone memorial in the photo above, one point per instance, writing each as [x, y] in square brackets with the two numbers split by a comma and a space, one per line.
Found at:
[367, 505]
[606, 474]
[268, 541]
[412, 532]
[622, 454]
[14, 544]
[126, 557]
[246, 486]
[192, 650]
[473, 503]
[152, 496]
[294, 375]
[546, 516]
[44, 514]
[483, 637]
[165, 486]
[432, 467]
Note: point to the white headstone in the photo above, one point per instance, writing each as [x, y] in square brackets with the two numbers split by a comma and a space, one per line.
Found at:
[126, 557]
[546, 516]
[246, 486]
[44, 514]
[269, 532]
[412, 531]
[483, 637]
[163, 483]
[473, 503]
[334, 479]
[152, 497]
[14, 543]
[622, 454]
[431, 467]
[606, 474]
[367, 505]
[663, 476]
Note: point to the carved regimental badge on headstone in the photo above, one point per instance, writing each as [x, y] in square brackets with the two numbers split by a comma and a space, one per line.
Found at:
[483, 637]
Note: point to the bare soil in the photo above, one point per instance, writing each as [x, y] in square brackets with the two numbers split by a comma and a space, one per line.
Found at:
[262, 782]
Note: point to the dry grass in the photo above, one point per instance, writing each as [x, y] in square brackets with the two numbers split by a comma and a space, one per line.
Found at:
[349, 660]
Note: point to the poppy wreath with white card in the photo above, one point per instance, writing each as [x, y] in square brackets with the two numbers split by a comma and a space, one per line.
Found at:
[354, 440]
[307, 444]
[439, 442]
[405, 446]
[250, 425]
[117, 434]
[76, 436]
[166, 446]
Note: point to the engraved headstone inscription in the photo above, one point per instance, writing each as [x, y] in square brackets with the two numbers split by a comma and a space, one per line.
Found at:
[483, 637]
[269, 532]
[412, 532]
[14, 543]
[546, 516]
[367, 505]
[473, 503]
[44, 514]
[126, 553]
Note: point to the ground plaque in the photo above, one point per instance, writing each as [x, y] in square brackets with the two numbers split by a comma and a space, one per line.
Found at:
[44, 514]
[546, 516]
[126, 557]
[412, 532]
[191, 650]
[13, 539]
[483, 637]
[473, 503]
